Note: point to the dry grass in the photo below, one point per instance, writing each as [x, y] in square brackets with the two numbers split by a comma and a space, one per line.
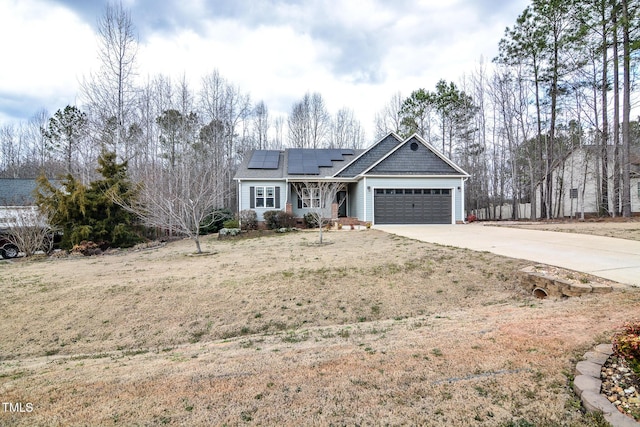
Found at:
[369, 329]
[620, 228]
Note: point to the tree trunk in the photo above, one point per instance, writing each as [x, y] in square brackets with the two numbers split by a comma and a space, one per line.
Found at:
[626, 112]
[604, 192]
[616, 118]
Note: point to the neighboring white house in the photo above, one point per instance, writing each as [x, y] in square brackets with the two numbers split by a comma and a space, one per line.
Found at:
[576, 182]
[395, 181]
[17, 205]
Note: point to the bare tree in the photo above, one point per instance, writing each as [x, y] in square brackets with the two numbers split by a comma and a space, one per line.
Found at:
[278, 140]
[226, 108]
[181, 200]
[30, 231]
[36, 124]
[319, 121]
[298, 124]
[110, 92]
[318, 198]
[389, 119]
[309, 122]
[9, 159]
[627, 16]
[346, 131]
[261, 126]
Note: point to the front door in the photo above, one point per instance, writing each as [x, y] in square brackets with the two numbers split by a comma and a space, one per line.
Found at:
[341, 199]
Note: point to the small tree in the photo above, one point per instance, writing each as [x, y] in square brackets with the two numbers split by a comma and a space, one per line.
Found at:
[181, 198]
[30, 232]
[88, 213]
[317, 197]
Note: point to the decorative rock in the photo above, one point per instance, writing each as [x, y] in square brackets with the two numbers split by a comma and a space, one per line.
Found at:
[588, 368]
[605, 348]
[596, 357]
[599, 372]
[620, 420]
[593, 401]
[583, 383]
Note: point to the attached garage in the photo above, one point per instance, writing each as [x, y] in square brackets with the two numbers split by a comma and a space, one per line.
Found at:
[412, 206]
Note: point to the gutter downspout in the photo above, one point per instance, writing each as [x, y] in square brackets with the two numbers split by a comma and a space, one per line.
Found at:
[464, 219]
[365, 201]
[239, 202]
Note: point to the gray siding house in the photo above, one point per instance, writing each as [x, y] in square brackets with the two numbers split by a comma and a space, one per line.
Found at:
[16, 201]
[395, 181]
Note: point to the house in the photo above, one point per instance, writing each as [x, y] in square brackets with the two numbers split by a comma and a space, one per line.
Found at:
[16, 201]
[395, 181]
[576, 182]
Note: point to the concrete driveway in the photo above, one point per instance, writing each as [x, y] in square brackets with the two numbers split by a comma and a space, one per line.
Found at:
[613, 259]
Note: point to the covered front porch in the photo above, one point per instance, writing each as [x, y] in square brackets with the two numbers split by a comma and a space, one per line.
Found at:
[333, 200]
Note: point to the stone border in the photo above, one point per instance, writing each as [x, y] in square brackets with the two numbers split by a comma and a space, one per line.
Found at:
[587, 385]
[534, 279]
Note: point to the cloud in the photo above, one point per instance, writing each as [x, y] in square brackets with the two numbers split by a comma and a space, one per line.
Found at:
[45, 49]
[355, 53]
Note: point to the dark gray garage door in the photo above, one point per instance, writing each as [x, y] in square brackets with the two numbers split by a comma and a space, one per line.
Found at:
[412, 206]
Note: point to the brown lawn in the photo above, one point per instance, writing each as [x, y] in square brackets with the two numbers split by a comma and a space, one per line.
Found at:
[370, 329]
[620, 228]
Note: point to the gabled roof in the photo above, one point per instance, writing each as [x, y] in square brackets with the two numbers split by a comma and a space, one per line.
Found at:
[414, 156]
[17, 192]
[390, 156]
[370, 156]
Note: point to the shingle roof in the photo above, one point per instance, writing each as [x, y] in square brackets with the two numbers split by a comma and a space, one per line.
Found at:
[325, 157]
[370, 156]
[389, 156]
[17, 192]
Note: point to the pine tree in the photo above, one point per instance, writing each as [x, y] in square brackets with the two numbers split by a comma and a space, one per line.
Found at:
[88, 213]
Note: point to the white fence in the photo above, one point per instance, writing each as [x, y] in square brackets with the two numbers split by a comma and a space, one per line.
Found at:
[493, 212]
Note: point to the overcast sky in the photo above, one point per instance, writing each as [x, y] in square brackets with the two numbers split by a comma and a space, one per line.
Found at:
[356, 53]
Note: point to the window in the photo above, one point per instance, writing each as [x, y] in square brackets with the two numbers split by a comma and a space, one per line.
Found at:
[573, 193]
[265, 197]
[310, 197]
[639, 189]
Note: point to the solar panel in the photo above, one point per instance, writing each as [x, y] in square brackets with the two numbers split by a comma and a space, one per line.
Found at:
[272, 159]
[307, 161]
[264, 159]
[295, 162]
[323, 158]
[335, 154]
[310, 162]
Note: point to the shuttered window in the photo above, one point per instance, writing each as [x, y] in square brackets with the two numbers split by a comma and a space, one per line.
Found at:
[264, 197]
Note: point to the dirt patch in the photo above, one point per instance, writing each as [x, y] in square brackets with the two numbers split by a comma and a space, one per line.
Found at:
[370, 329]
